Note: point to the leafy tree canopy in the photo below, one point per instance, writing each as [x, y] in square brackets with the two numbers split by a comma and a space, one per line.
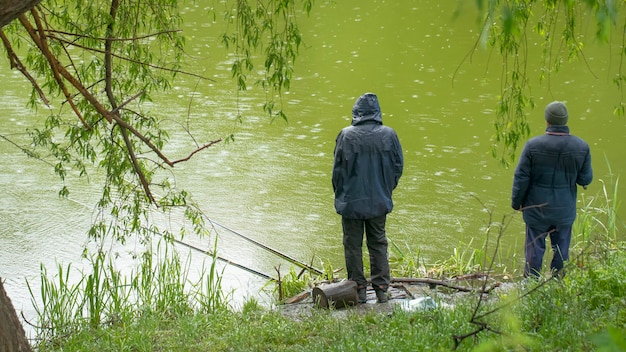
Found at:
[99, 60]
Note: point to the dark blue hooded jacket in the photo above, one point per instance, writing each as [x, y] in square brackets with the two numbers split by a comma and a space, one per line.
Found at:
[368, 163]
[545, 180]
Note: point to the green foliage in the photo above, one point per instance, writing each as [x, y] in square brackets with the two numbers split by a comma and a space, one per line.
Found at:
[465, 259]
[597, 226]
[612, 340]
[581, 312]
[99, 61]
[103, 296]
[555, 315]
[291, 284]
[405, 262]
[513, 28]
[270, 27]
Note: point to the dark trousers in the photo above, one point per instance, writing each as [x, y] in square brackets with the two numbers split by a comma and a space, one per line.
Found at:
[376, 245]
[535, 248]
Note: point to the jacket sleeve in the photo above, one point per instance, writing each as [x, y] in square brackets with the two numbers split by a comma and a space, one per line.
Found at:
[521, 180]
[398, 162]
[586, 173]
[337, 172]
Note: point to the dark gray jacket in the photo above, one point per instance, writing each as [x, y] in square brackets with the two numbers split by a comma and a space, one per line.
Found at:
[545, 180]
[368, 163]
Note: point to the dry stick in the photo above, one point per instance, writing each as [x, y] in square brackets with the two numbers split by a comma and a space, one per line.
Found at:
[474, 320]
[196, 151]
[535, 288]
[444, 283]
[280, 283]
[475, 316]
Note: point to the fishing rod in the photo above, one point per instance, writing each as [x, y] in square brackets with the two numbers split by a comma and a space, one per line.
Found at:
[271, 250]
[229, 262]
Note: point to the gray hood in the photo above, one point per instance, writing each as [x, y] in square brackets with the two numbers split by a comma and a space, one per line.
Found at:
[365, 109]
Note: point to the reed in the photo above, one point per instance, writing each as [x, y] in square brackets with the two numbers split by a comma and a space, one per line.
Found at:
[75, 300]
[598, 226]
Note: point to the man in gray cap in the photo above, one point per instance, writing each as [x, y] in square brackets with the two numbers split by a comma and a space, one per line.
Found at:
[367, 167]
[544, 189]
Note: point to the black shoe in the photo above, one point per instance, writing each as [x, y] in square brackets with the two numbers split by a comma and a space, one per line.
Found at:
[362, 295]
[382, 296]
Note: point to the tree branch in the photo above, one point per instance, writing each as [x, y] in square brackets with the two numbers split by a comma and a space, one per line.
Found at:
[17, 63]
[12, 9]
[39, 38]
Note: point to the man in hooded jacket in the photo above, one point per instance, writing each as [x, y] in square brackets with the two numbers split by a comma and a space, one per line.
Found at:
[544, 189]
[367, 166]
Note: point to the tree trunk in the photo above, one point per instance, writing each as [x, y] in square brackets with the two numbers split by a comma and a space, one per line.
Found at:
[338, 295]
[12, 335]
[12, 9]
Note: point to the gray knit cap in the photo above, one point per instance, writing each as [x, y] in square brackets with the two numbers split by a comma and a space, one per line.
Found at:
[556, 113]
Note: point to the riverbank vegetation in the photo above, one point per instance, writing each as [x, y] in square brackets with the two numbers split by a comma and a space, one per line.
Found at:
[112, 135]
[156, 308]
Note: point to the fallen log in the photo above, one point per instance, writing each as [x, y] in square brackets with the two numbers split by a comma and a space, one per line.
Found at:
[337, 295]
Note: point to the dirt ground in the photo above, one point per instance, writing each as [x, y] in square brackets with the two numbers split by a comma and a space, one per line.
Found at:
[403, 296]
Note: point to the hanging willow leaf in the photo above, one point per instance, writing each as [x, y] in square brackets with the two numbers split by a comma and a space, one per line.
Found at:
[99, 60]
[559, 24]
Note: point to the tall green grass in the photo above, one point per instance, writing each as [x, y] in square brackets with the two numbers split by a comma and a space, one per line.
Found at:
[156, 308]
[582, 312]
[75, 300]
[597, 228]
[466, 258]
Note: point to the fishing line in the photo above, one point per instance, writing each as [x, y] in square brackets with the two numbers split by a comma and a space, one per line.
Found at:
[228, 261]
[269, 249]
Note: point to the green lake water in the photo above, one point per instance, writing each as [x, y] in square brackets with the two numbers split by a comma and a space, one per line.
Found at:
[273, 183]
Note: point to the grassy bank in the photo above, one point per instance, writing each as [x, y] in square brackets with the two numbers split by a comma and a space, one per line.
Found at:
[583, 312]
[156, 309]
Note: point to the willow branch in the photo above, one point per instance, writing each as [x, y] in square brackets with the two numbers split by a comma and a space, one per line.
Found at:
[108, 65]
[95, 50]
[133, 158]
[16, 63]
[78, 35]
[197, 150]
[39, 38]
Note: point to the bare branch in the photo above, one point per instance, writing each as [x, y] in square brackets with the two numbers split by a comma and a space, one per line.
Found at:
[197, 150]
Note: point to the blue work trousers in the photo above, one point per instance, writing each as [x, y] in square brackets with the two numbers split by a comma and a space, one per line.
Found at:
[377, 244]
[560, 238]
